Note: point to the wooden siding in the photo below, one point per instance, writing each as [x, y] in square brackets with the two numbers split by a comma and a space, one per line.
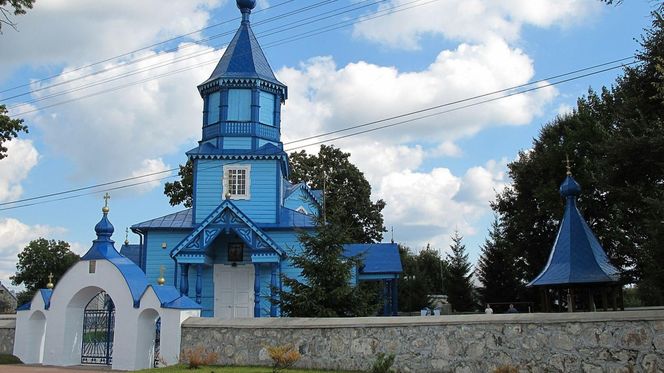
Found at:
[301, 198]
[156, 256]
[237, 143]
[262, 205]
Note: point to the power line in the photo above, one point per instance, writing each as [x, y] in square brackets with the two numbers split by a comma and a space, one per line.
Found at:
[342, 130]
[125, 54]
[185, 57]
[148, 57]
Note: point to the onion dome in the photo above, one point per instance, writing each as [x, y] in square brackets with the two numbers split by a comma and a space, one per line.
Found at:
[569, 187]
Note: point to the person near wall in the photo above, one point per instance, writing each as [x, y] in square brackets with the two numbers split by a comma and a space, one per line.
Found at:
[488, 310]
[512, 309]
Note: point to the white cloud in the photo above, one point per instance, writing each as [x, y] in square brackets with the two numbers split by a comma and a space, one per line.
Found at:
[325, 98]
[75, 32]
[150, 166]
[427, 207]
[14, 236]
[469, 20]
[22, 157]
[105, 135]
[446, 149]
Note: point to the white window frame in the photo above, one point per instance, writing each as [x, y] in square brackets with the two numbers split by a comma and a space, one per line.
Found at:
[247, 184]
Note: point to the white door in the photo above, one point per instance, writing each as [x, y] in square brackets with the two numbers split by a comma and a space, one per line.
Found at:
[233, 291]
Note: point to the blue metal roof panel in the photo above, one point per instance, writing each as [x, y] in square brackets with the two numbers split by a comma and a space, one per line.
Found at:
[577, 257]
[180, 219]
[170, 297]
[377, 257]
[244, 58]
[46, 297]
[132, 252]
[24, 307]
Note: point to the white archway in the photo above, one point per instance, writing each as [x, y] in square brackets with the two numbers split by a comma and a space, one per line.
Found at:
[146, 337]
[35, 337]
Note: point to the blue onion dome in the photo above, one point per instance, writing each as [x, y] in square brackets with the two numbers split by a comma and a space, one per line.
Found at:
[246, 4]
[570, 187]
[104, 228]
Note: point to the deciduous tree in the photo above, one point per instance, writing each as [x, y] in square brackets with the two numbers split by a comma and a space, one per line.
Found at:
[38, 259]
[9, 129]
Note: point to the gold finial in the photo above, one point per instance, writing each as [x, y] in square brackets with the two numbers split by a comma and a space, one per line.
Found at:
[105, 209]
[569, 168]
[50, 281]
[161, 280]
[126, 236]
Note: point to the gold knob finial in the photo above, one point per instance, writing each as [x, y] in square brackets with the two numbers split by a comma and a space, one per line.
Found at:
[161, 280]
[105, 209]
[50, 281]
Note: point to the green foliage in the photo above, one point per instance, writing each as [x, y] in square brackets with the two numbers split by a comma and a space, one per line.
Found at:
[383, 363]
[615, 139]
[181, 191]
[19, 7]
[9, 129]
[422, 276]
[497, 269]
[347, 192]
[458, 277]
[9, 359]
[37, 260]
[325, 290]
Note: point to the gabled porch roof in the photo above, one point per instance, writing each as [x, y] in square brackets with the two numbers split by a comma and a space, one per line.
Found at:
[225, 218]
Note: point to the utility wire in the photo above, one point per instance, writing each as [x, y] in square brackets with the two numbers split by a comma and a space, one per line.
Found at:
[332, 132]
[185, 57]
[151, 56]
[125, 54]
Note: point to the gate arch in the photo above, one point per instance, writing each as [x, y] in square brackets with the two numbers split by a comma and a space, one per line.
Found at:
[148, 338]
[98, 330]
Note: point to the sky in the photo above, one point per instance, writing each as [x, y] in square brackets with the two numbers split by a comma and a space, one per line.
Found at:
[108, 91]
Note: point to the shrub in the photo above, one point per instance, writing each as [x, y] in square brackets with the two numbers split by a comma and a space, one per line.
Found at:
[198, 356]
[9, 359]
[283, 356]
[383, 363]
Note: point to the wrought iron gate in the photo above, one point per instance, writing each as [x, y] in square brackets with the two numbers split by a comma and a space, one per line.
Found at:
[98, 325]
[157, 340]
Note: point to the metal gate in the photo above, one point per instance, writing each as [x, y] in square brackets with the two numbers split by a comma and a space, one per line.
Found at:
[157, 342]
[98, 325]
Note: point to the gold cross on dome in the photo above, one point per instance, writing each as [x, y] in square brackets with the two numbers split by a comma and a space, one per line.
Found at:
[50, 277]
[106, 198]
[569, 168]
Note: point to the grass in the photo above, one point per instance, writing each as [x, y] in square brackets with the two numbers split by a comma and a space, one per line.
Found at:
[9, 359]
[227, 369]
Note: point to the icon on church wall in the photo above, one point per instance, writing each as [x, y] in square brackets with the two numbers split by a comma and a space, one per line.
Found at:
[235, 252]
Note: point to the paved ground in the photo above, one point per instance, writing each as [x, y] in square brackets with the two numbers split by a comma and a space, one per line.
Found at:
[46, 369]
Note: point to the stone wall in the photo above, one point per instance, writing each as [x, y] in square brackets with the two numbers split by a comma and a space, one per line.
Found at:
[630, 341]
[7, 327]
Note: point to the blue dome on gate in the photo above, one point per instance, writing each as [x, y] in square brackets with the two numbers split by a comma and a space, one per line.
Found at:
[246, 4]
[569, 187]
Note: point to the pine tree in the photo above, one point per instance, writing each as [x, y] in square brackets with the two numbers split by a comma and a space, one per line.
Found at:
[458, 277]
[325, 289]
[497, 269]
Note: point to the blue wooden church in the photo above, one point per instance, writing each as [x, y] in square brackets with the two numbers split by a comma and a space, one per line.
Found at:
[230, 250]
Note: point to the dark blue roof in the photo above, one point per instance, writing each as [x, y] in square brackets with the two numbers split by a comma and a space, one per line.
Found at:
[207, 149]
[132, 252]
[244, 58]
[46, 297]
[577, 256]
[170, 297]
[377, 257]
[180, 219]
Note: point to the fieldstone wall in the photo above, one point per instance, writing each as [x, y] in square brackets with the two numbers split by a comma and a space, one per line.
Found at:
[7, 328]
[630, 341]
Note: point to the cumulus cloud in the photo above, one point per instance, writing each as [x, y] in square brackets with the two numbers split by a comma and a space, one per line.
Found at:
[451, 19]
[326, 98]
[148, 167]
[14, 236]
[105, 135]
[94, 30]
[22, 157]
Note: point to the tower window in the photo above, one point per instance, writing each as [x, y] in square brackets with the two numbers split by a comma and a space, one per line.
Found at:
[213, 107]
[239, 105]
[236, 181]
[266, 113]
